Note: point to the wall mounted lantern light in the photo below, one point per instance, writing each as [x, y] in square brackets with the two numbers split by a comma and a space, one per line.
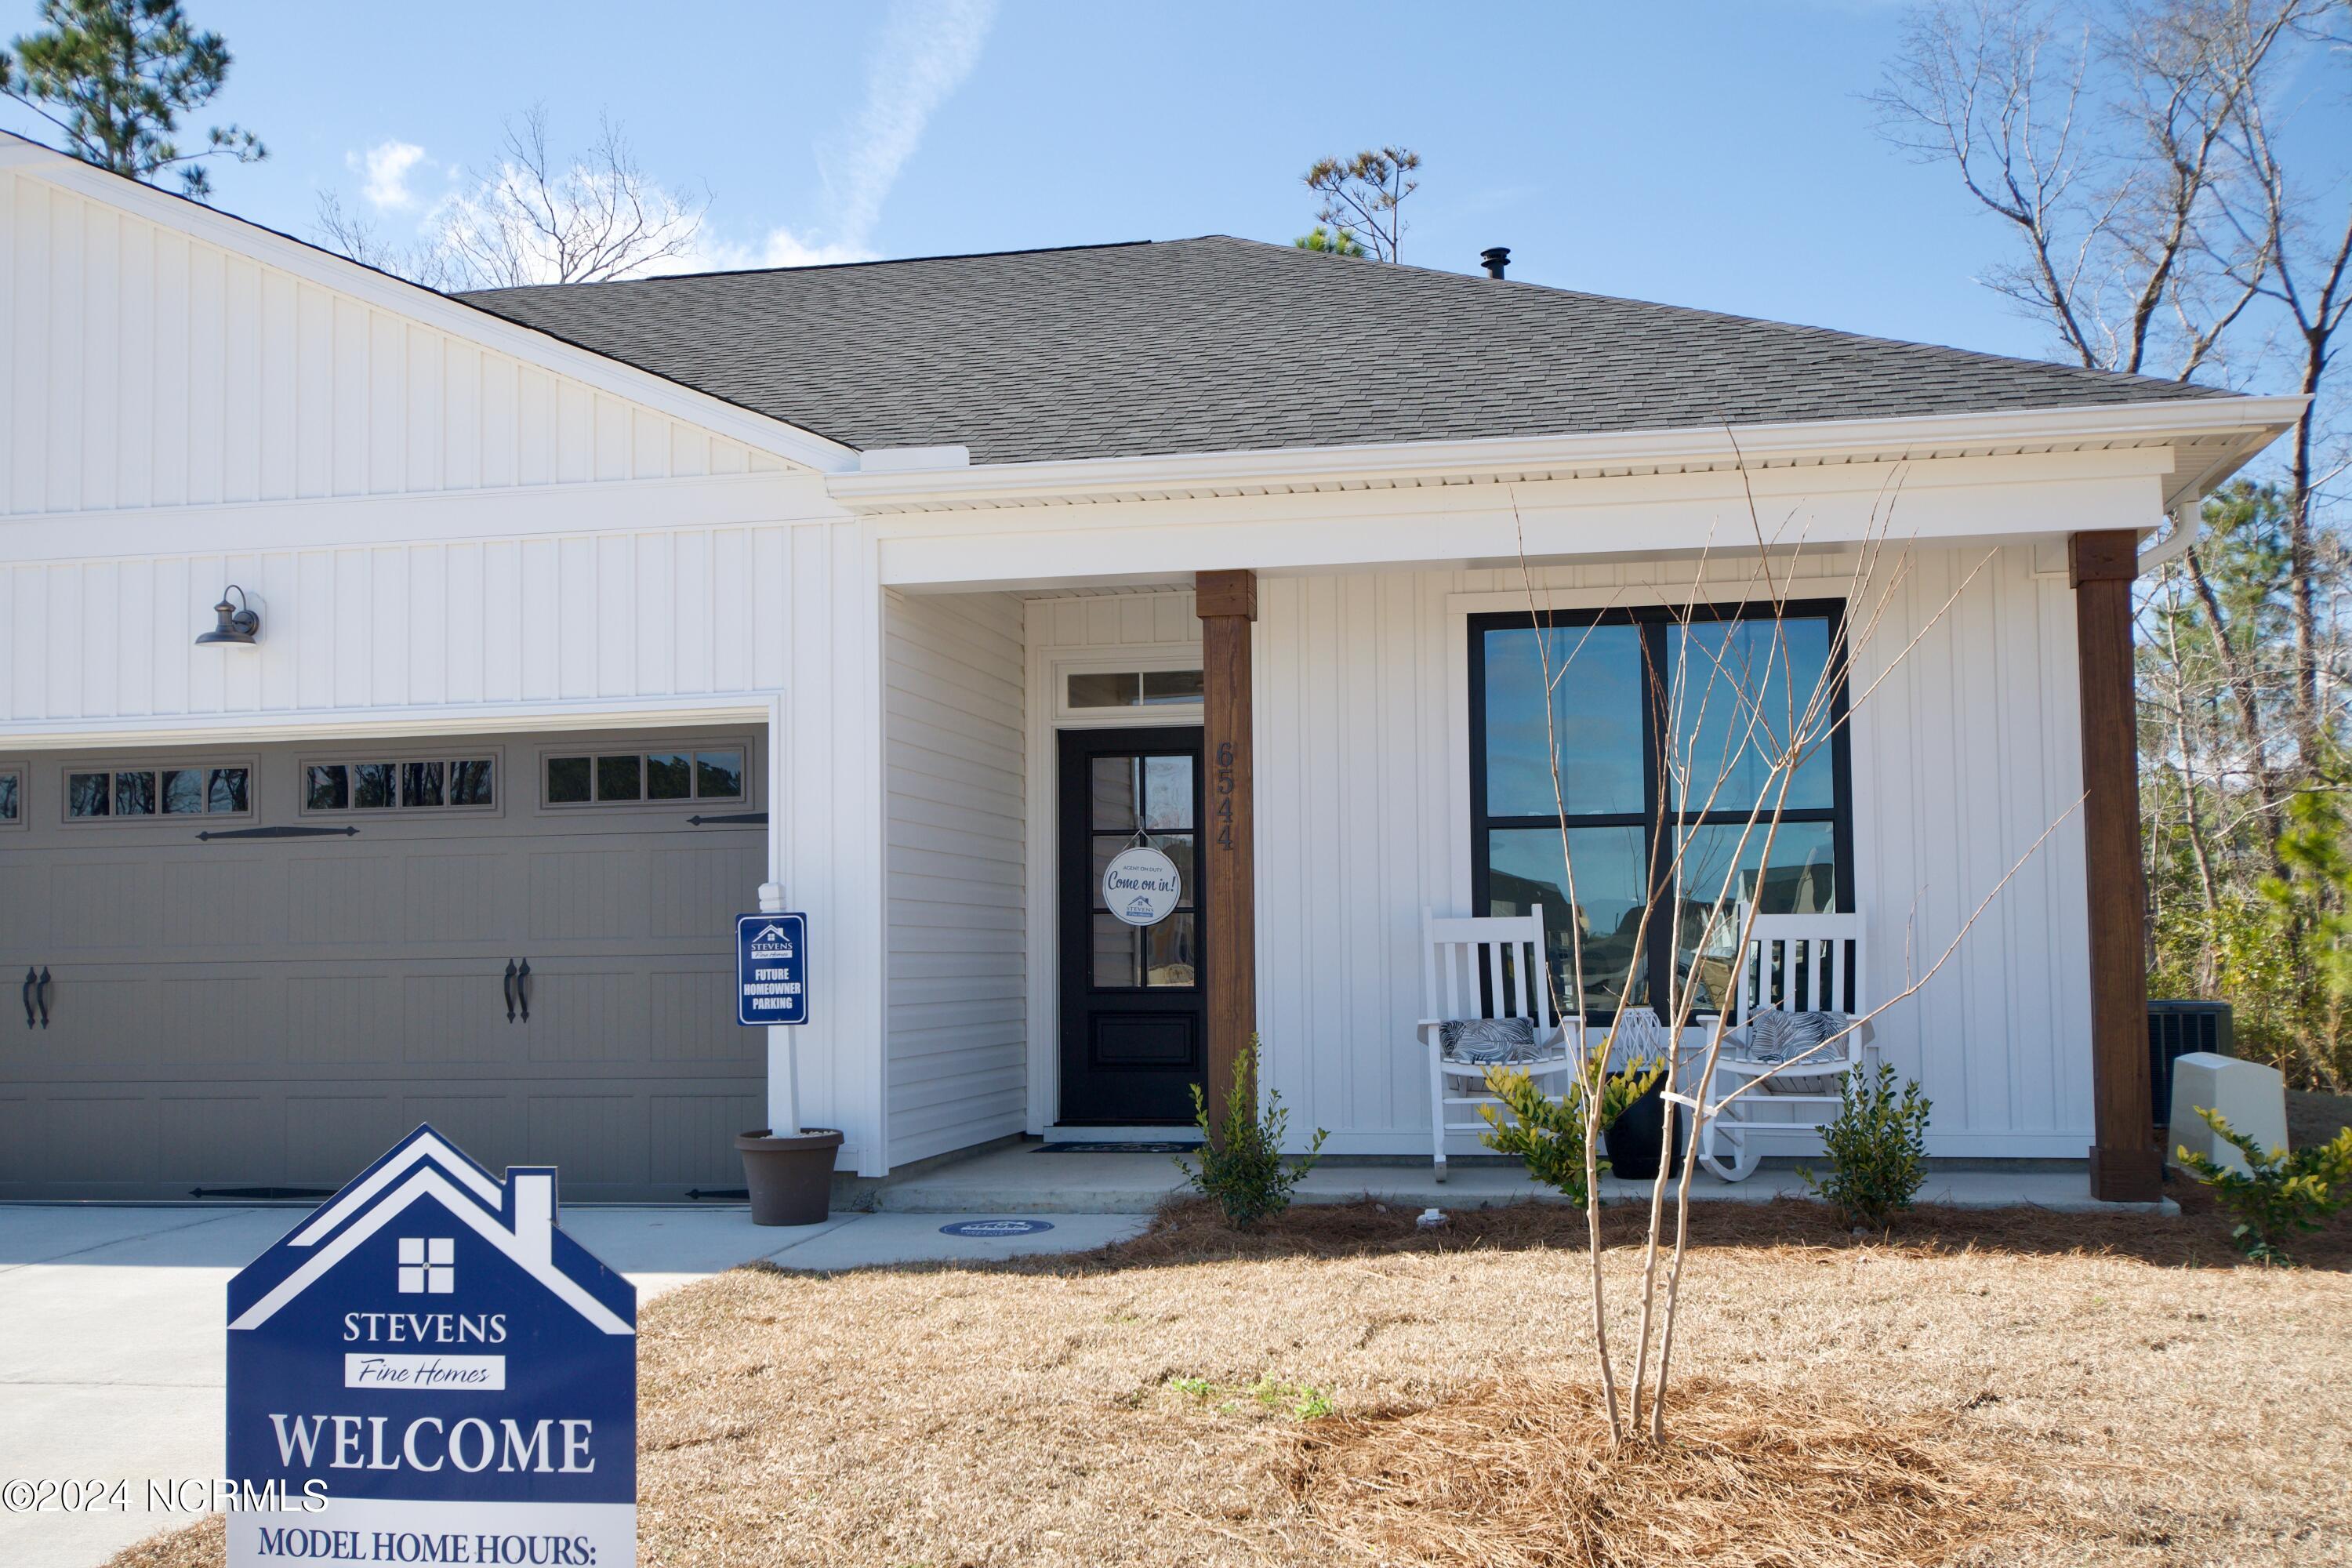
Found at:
[238, 624]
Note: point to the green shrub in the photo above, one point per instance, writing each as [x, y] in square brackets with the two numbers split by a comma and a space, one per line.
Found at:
[1241, 1165]
[1548, 1134]
[2279, 1194]
[1878, 1149]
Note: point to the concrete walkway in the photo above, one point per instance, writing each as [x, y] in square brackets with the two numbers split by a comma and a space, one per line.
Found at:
[1032, 1179]
[111, 1365]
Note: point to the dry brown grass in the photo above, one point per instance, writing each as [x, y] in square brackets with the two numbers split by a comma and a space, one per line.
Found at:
[1982, 1388]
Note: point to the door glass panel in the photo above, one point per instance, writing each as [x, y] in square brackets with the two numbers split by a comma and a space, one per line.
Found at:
[87, 794]
[373, 784]
[469, 783]
[1114, 949]
[1112, 793]
[421, 783]
[1800, 879]
[1167, 952]
[617, 778]
[329, 788]
[1527, 869]
[183, 790]
[134, 794]
[228, 790]
[1167, 792]
[669, 775]
[1595, 719]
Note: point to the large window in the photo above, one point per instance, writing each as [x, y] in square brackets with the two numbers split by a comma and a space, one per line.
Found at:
[1662, 725]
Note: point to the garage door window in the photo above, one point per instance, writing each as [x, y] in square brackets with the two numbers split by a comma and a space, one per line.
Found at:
[628, 778]
[130, 793]
[12, 797]
[417, 784]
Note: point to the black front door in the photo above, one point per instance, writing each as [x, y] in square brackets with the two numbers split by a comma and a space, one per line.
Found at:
[1134, 1028]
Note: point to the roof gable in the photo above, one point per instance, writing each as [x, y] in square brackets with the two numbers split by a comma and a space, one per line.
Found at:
[1220, 344]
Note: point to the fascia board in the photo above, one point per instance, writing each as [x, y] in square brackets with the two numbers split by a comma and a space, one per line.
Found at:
[794, 445]
[1865, 440]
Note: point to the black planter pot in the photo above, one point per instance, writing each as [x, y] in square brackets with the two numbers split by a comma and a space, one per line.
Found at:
[1637, 1139]
[790, 1179]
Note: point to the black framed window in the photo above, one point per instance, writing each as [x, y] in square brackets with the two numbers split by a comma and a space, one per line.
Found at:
[1664, 721]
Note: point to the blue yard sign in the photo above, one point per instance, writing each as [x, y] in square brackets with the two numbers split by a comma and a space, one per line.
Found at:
[428, 1369]
[772, 969]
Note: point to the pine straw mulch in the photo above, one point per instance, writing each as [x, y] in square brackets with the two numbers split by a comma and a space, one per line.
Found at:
[1980, 1388]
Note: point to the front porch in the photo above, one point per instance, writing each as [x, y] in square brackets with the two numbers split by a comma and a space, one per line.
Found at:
[1030, 1178]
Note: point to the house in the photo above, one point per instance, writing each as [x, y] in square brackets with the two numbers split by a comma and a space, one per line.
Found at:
[913, 589]
[428, 1357]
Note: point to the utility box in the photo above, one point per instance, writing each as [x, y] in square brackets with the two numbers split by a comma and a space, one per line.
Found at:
[2252, 1098]
[2175, 1028]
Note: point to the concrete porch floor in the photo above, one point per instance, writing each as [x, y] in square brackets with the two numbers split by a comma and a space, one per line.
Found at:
[1023, 1180]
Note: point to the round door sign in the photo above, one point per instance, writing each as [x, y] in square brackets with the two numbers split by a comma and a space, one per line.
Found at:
[1141, 886]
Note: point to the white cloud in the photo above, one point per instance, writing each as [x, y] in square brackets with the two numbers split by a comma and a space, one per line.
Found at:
[925, 53]
[782, 247]
[387, 165]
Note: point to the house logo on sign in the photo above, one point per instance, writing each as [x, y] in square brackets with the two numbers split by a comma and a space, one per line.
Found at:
[772, 941]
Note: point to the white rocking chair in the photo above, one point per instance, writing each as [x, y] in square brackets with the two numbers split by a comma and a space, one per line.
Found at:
[1486, 967]
[1800, 964]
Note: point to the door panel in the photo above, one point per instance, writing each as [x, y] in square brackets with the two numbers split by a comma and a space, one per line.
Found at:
[1134, 1029]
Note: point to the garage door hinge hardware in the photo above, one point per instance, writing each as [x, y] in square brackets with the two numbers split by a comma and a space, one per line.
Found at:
[737, 1193]
[280, 832]
[740, 816]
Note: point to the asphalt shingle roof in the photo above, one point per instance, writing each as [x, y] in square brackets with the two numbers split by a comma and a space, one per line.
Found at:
[1218, 345]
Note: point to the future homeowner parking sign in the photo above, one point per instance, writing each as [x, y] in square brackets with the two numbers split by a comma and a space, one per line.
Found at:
[428, 1369]
[772, 969]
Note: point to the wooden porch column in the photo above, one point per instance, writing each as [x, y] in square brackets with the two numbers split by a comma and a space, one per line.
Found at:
[2126, 1166]
[1226, 603]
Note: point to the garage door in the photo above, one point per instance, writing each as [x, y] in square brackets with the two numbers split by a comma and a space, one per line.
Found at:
[232, 971]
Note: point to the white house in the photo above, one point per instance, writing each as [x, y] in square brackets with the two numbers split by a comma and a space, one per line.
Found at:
[583, 612]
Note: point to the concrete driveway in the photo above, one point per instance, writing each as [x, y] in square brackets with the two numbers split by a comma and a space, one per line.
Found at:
[112, 1359]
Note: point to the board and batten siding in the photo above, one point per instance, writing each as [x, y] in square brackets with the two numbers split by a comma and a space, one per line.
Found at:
[669, 612]
[1964, 755]
[143, 367]
[956, 1012]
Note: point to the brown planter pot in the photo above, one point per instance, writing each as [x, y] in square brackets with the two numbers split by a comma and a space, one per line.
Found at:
[790, 1179]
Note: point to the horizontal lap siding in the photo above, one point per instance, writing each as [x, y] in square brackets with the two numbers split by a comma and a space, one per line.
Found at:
[957, 1016]
[676, 612]
[1962, 757]
[140, 367]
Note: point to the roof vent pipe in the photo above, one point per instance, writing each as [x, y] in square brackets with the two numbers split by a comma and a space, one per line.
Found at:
[1494, 259]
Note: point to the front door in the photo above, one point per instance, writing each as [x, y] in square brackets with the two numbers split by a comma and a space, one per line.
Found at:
[1134, 1023]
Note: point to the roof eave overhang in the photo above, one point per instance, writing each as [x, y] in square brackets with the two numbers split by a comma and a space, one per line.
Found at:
[2228, 431]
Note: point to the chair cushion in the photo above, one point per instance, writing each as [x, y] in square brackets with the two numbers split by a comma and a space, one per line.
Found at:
[1488, 1042]
[1775, 1035]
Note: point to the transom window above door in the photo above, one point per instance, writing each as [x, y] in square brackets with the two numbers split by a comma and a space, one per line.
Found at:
[188, 789]
[1662, 725]
[618, 777]
[1098, 690]
[409, 783]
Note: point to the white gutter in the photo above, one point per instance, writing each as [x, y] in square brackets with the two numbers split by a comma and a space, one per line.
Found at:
[2255, 420]
[2187, 528]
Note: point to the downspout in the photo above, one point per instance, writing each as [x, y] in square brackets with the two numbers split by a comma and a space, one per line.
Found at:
[2187, 528]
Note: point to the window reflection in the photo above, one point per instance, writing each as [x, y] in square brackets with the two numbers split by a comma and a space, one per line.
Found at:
[183, 791]
[328, 788]
[1526, 867]
[1740, 690]
[9, 797]
[1729, 863]
[89, 794]
[1596, 720]
[227, 791]
[669, 775]
[134, 794]
[719, 775]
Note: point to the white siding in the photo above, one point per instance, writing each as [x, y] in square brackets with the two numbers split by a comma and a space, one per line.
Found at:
[143, 367]
[544, 618]
[955, 731]
[1961, 759]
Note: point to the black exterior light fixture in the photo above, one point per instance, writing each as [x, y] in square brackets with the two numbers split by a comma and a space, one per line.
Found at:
[238, 624]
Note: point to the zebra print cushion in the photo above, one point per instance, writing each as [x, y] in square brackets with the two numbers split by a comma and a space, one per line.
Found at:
[1777, 1036]
[1487, 1042]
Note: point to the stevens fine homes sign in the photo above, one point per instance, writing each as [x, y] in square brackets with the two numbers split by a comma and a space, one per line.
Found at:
[428, 1369]
[772, 969]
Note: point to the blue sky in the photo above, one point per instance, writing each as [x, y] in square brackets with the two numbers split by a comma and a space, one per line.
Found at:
[1706, 154]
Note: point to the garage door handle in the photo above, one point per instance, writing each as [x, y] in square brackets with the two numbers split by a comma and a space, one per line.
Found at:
[30, 981]
[42, 991]
[510, 990]
[522, 988]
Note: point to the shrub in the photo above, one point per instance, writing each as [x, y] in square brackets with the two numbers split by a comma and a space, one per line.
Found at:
[2278, 1193]
[1241, 1164]
[1877, 1148]
[1548, 1134]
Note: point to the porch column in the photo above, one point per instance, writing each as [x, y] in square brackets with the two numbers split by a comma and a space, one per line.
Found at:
[2126, 1166]
[1226, 603]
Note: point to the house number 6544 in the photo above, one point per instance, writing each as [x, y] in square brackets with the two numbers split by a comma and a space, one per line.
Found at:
[1224, 811]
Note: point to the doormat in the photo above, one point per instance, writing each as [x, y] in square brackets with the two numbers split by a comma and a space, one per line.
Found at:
[1118, 1148]
[987, 1229]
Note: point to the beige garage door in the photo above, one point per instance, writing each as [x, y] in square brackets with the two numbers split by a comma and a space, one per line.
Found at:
[232, 970]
